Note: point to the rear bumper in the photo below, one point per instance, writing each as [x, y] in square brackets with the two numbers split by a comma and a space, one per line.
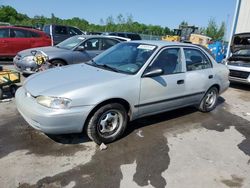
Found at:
[51, 121]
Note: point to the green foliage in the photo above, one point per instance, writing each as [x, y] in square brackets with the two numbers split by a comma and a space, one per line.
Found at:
[215, 32]
[120, 23]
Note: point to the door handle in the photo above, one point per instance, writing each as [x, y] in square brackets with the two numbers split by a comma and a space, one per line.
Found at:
[210, 76]
[180, 82]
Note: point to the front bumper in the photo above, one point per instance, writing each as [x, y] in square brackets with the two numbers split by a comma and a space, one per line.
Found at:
[27, 67]
[239, 74]
[51, 121]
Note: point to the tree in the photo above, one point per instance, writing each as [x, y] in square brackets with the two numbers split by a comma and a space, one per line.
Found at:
[213, 31]
[183, 23]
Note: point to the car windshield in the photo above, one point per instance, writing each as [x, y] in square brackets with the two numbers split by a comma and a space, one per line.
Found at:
[126, 57]
[243, 52]
[71, 42]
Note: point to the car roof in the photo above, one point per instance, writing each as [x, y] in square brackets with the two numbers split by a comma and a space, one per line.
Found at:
[161, 43]
[94, 36]
[24, 28]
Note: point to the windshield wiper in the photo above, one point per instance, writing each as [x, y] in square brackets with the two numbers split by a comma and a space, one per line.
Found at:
[108, 67]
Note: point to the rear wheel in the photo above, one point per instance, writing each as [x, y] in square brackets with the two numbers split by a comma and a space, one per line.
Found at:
[209, 101]
[107, 123]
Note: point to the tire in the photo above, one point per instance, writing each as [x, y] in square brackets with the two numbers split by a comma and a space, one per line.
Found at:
[209, 101]
[1, 93]
[107, 124]
[13, 89]
[57, 63]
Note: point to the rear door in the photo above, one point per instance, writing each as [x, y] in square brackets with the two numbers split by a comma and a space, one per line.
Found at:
[4, 42]
[199, 73]
[20, 40]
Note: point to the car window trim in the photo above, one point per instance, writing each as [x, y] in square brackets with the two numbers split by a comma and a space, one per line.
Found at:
[157, 54]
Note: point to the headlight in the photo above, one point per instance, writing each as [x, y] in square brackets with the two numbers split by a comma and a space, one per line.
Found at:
[53, 102]
[28, 58]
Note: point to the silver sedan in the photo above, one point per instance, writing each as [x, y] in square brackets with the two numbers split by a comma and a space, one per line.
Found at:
[76, 49]
[126, 82]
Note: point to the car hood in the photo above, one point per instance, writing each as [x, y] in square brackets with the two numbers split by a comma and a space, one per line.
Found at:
[48, 50]
[240, 41]
[63, 81]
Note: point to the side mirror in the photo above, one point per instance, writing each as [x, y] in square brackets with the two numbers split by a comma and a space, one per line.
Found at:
[153, 73]
[80, 48]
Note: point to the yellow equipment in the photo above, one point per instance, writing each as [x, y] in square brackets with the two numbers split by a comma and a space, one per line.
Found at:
[8, 78]
[199, 39]
[171, 38]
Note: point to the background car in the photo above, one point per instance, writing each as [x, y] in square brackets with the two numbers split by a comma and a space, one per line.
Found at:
[239, 61]
[59, 33]
[132, 36]
[76, 49]
[126, 82]
[14, 39]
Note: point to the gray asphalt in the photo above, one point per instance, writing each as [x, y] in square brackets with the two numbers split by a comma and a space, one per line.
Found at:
[181, 148]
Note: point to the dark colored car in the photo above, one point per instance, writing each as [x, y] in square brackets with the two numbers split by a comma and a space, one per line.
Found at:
[14, 39]
[132, 36]
[59, 33]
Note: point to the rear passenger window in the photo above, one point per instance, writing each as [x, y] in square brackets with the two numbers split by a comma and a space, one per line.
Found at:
[169, 60]
[196, 60]
[34, 34]
[61, 30]
[19, 33]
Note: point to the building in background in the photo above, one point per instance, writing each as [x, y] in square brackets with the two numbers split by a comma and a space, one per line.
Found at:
[241, 23]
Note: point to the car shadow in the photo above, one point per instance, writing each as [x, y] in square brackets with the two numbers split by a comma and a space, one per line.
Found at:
[240, 86]
[76, 138]
[133, 125]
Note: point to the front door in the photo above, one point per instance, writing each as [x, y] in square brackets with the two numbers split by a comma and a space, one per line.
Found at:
[163, 92]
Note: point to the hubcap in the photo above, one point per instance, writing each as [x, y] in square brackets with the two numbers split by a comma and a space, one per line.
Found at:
[211, 98]
[110, 122]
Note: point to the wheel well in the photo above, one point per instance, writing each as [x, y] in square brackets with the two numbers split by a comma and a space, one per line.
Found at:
[217, 86]
[114, 100]
[51, 60]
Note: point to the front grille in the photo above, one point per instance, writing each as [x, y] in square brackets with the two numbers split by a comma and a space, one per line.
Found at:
[239, 74]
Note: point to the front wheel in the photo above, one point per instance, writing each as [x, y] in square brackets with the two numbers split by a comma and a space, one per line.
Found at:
[107, 123]
[57, 63]
[209, 101]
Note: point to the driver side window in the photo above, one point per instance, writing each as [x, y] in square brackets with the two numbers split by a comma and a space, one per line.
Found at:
[169, 60]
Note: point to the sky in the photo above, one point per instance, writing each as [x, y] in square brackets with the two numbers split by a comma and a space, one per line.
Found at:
[156, 12]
